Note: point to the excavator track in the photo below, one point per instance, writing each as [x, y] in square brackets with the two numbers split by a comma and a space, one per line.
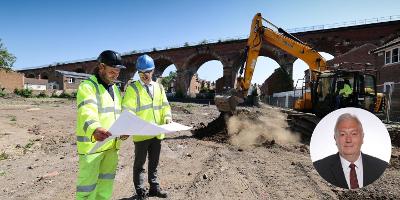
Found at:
[303, 123]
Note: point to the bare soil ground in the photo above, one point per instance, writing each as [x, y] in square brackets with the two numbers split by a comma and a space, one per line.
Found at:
[258, 158]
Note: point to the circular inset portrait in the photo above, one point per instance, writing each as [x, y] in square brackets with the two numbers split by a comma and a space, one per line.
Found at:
[350, 148]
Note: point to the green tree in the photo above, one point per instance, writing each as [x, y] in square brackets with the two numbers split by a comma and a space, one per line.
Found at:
[6, 59]
[166, 81]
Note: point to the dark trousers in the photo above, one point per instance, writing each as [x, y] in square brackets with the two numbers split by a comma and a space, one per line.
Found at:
[153, 148]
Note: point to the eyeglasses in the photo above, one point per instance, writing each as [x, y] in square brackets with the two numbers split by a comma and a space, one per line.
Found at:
[145, 72]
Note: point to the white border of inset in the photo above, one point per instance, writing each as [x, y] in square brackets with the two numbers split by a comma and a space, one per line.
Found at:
[377, 141]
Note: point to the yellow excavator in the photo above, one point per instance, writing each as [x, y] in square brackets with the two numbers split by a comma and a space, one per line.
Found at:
[321, 87]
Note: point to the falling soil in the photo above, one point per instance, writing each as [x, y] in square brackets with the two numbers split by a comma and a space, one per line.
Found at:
[216, 130]
[248, 128]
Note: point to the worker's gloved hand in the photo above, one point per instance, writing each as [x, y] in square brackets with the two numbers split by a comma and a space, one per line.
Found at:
[123, 137]
[167, 121]
[100, 134]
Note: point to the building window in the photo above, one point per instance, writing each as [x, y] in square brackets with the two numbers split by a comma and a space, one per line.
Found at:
[71, 80]
[395, 55]
[392, 56]
[387, 57]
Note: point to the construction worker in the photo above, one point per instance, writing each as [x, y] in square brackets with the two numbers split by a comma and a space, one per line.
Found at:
[99, 105]
[346, 90]
[344, 94]
[147, 100]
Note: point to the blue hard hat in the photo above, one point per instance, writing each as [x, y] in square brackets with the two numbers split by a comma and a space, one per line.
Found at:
[144, 63]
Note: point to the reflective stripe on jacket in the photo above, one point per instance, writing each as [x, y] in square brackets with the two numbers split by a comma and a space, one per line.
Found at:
[96, 108]
[139, 102]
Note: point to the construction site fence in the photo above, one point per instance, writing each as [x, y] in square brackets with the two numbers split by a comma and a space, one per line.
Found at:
[391, 90]
[392, 95]
[283, 99]
[192, 100]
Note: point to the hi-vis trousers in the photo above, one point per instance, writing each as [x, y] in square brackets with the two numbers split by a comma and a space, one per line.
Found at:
[96, 175]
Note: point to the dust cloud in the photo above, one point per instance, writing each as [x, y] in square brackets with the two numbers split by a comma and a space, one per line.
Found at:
[247, 130]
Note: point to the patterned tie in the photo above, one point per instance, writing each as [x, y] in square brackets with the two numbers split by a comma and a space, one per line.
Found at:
[353, 177]
[148, 91]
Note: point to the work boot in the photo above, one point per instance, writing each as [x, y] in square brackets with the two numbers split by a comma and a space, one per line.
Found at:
[141, 195]
[157, 192]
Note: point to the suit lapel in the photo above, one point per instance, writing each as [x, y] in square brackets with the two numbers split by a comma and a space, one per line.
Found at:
[338, 173]
[366, 170]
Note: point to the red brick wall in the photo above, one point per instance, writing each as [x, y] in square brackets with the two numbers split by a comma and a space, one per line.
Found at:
[11, 80]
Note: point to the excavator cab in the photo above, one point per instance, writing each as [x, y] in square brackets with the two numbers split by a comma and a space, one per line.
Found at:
[327, 91]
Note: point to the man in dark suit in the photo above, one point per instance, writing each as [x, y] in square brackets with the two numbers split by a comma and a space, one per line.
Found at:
[350, 168]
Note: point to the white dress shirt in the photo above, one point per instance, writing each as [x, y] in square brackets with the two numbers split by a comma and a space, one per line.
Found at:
[359, 170]
[150, 85]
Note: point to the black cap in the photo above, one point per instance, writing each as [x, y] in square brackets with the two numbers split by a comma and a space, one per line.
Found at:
[111, 58]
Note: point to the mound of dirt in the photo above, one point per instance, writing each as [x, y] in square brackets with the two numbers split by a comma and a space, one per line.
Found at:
[216, 130]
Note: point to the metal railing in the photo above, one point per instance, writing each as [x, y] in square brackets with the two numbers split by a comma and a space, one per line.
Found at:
[345, 24]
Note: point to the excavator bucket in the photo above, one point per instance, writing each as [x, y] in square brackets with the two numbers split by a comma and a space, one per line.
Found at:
[227, 103]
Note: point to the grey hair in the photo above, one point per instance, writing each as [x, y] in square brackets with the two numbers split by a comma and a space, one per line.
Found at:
[348, 116]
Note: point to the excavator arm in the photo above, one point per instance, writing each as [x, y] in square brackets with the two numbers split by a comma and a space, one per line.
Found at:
[260, 34]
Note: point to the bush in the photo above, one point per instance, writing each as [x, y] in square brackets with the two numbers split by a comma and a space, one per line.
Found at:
[67, 95]
[23, 92]
[42, 95]
[179, 94]
[2, 93]
[4, 156]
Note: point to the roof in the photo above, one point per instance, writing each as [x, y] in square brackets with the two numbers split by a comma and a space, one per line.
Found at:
[388, 44]
[34, 81]
[355, 58]
[73, 74]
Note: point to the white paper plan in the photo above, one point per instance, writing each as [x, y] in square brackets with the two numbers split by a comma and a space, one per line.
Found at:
[130, 124]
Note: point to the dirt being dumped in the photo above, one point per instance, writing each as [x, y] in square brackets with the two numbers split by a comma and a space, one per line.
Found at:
[214, 131]
[248, 127]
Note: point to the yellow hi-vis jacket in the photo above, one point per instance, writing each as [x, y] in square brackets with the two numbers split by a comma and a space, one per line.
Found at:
[96, 108]
[139, 102]
[346, 90]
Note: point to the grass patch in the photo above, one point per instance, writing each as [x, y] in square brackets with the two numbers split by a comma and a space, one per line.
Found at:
[29, 144]
[189, 105]
[4, 156]
[42, 95]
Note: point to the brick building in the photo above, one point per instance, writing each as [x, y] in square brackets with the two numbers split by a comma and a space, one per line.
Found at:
[356, 58]
[35, 84]
[196, 84]
[66, 80]
[388, 60]
[9, 80]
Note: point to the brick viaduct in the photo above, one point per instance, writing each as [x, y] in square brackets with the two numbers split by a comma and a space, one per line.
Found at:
[188, 60]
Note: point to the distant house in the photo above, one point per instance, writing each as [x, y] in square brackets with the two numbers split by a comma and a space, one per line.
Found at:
[357, 58]
[35, 84]
[388, 61]
[67, 81]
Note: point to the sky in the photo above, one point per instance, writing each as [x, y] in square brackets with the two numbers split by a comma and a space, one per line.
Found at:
[42, 32]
